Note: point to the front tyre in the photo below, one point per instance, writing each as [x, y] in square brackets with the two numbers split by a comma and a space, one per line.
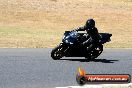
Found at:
[57, 52]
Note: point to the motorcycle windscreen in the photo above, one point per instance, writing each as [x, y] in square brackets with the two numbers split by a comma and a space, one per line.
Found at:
[69, 38]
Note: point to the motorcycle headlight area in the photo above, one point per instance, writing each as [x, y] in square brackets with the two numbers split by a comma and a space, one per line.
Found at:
[65, 37]
[68, 42]
[71, 43]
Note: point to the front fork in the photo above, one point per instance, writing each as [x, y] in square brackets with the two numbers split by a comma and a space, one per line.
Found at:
[65, 48]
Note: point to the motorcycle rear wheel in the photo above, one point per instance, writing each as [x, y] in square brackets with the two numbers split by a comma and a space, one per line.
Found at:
[95, 53]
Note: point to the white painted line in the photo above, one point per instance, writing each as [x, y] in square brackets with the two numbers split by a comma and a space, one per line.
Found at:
[129, 85]
[119, 48]
[85, 86]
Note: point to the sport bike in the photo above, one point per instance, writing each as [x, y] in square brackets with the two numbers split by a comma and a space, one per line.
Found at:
[70, 46]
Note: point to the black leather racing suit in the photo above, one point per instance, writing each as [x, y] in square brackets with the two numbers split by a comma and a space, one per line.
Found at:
[94, 37]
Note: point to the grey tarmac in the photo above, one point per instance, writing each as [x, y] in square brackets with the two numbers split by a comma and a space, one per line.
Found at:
[34, 68]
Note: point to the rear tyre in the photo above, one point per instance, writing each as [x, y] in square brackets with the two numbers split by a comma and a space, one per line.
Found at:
[57, 52]
[95, 52]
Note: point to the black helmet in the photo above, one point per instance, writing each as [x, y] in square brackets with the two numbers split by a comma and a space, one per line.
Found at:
[90, 23]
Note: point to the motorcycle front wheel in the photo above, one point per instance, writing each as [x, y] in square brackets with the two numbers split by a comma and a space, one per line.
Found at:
[57, 52]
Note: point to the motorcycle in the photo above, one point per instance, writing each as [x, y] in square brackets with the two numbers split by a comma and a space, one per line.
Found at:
[69, 48]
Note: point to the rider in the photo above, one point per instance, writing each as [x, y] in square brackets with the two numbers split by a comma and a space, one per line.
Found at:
[92, 32]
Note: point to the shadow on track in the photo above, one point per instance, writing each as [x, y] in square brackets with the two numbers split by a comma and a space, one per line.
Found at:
[96, 60]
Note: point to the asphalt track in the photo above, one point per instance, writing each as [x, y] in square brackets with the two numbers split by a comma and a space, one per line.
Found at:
[34, 68]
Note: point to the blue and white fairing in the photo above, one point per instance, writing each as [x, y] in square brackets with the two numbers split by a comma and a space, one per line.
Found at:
[70, 37]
